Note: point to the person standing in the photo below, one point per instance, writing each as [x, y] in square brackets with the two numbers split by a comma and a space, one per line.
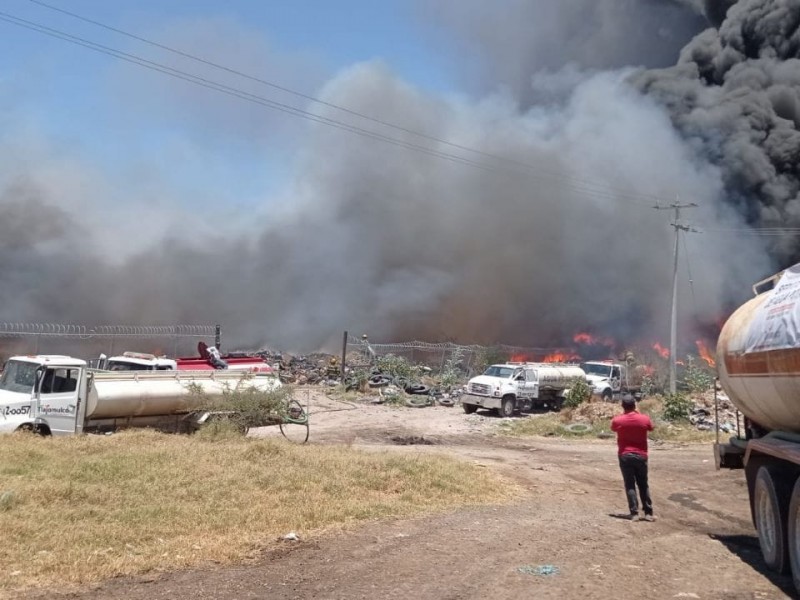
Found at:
[631, 428]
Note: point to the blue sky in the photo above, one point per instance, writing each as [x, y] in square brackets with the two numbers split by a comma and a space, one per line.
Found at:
[86, 104]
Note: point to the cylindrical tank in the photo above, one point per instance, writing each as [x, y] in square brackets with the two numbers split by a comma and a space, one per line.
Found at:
[558, 377]
[132, 394]
[763, 384]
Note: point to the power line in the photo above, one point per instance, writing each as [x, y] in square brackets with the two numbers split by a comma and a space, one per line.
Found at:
[757, 231]
[689, 273]
[317, 100]
[581, 185]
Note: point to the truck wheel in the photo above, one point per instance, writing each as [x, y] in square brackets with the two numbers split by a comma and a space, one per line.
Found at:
[793, 535]
[469, 408]
[607, 395]
[770, 504]
[506, 407]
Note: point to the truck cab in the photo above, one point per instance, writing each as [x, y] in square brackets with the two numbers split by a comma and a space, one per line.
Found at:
[138, 361]
[42, 393]
[605, 377]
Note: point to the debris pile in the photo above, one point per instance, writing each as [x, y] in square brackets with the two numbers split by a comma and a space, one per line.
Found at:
[319, 368]
[703, 418]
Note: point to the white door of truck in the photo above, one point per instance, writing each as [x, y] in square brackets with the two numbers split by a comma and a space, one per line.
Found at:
[57, 399]
[531, 384]
[616, 379]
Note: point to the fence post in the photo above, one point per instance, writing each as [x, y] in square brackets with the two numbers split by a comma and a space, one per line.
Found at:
[218, 337]
[344, 354]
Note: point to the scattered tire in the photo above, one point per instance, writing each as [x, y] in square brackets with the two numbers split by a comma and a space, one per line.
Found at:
[771, 507]
[469, 408]
[417, 389]
[417, 402]
[577, 427]
[379, 381]
[446, 401]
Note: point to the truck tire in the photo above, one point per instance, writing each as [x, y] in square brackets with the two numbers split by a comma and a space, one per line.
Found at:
[607, 396]
[506, 407]
[793, 535]
[771, 508]
[469, 408]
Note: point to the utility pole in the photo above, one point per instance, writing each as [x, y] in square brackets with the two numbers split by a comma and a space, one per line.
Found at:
[673, 325]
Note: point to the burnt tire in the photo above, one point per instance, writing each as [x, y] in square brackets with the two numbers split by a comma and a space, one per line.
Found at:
[469, 408]
[417, 402]
[793, 535]
[379, 381]
[771, 508]
[506, 407]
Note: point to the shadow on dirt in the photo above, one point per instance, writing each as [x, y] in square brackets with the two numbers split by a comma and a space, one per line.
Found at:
[747, 549]
[690, 501]
[412, 440]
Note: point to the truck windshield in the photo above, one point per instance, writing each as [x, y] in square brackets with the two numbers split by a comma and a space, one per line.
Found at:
[119, 365]
[495, 371]
[18, 377]
[595, 369]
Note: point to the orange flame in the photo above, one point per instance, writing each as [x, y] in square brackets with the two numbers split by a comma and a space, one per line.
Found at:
[587, 339]
[705, 354]
[560, 357]
[662, 352]
[519, 358]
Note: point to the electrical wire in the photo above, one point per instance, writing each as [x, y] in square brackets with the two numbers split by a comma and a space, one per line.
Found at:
[581, 186]
[689, 269]
[349, 111]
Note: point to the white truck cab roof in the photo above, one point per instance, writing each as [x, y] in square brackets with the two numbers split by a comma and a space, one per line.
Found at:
[51, 359]
[148, 361]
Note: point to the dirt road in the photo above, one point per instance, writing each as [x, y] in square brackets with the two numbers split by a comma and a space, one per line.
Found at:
[701, 546]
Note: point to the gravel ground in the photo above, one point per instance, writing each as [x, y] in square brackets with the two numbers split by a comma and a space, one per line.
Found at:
[561, 540]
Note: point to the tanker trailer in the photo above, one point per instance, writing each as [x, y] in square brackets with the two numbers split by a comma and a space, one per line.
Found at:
[60, 395]
[513, 386]
[758, 356]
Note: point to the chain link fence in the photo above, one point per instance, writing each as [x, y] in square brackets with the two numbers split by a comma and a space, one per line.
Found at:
[86, 341]
[360, 353]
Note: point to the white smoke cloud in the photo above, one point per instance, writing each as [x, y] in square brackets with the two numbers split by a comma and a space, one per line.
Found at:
[371, 237]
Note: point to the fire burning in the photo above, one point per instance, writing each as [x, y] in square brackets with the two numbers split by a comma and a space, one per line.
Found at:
[588, 339]
[561, 357]
[702, 349]
[662, 352]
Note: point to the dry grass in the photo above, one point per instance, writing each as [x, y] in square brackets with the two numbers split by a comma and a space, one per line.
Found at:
[599, 415]
[86, 508]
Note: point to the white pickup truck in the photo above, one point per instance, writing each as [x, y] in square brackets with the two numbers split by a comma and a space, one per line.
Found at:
[609, 379]
[508, 387]
[61, 395]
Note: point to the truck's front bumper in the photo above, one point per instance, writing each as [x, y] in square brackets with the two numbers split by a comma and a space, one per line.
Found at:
[482, 401]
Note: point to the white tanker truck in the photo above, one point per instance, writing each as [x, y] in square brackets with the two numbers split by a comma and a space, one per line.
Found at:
[758, 356]
[60, 395]
[515, 386]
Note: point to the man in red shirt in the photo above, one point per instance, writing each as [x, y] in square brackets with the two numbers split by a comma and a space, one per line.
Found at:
[631, 428]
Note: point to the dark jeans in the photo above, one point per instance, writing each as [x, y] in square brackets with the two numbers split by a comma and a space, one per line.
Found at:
[634, 474]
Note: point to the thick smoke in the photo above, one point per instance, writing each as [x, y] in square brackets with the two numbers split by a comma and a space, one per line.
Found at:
[735, 96]
[527, 250]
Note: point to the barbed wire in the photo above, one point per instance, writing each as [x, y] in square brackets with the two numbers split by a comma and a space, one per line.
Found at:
[68, 330]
